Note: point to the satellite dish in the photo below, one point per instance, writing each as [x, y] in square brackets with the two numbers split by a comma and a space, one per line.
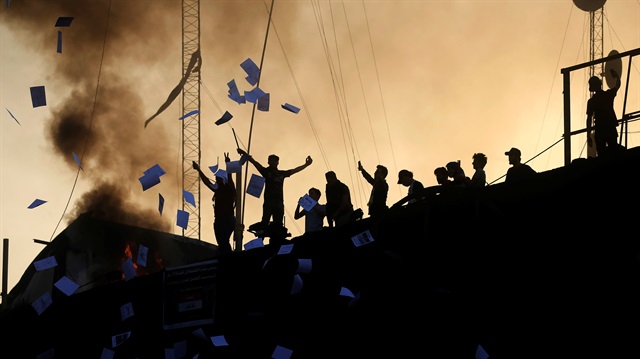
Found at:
[612, 64]
[589, 5]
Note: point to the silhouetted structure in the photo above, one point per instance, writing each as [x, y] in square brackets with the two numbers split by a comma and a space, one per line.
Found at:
[371, 283]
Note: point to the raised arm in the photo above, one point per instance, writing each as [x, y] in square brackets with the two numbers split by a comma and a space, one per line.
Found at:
[205, 179]
[365, 174]
[254, 162]
[306, 164]
[299, 213]
[616, 76]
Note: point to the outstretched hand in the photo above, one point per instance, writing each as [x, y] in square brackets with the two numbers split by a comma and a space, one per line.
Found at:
[226, 157]
[359, 166]
[241, 151]
[195, 166]
[308, 161]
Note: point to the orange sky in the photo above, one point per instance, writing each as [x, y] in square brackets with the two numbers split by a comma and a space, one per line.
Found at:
[407, 84]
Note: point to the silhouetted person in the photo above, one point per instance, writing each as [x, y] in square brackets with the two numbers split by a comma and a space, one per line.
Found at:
[600, 108]
[378, 199]
[405, 178]
[442, 176]
[457, 175]
[518, 171]
[273, 205]
[314, 218]
[339, 208]
[479, 178]
[224, 204]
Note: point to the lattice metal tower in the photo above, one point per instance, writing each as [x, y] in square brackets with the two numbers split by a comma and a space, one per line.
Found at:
[596, 48]
[191, 124]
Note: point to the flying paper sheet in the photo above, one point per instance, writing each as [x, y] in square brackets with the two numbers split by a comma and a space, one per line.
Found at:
[107, 354]
[296, 286]
[38, 96]
[75, 157]
[188, 197]
[234, 167]
[481, 353]
[151, 177]
[119, 339]
[281, 353]
[253, 95]
[234, 93]
[59, 47]
[148, 181]
[362, 238]
[46, 263]
[180, 349]
[199, 333]
[36, 203]
[189, 114]
[254, 243]
[291, 108]
[252, 70]
[142, 256]
[160, 203]
[183, 219]
[128, 269]
[64, 21]
[263, 102]
[155, 170]
[256, 183]
[12, 116]
[285, 249]
[222, 174]
[226, 117]
[307, 202]
[219, 341]
[345, 292]
[195, 59]
[126, 311]
[66, 285]
[42, 303]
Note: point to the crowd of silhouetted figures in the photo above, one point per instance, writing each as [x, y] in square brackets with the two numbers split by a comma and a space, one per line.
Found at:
[338, 209]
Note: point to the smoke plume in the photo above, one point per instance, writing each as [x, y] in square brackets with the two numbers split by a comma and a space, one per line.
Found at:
[101, 117]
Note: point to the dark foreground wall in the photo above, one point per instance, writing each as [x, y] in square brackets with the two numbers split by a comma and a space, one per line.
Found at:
[547, 269]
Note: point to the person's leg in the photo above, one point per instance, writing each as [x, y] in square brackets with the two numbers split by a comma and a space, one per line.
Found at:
[278, 215]
[220, 228]
[601, 142]
[267, 212]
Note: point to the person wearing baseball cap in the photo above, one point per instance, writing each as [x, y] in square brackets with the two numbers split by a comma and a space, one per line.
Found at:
[405, 178]
[518, 171]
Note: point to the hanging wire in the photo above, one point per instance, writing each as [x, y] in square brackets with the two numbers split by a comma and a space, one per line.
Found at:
[384, 109]
[253, 111]
[93, 110]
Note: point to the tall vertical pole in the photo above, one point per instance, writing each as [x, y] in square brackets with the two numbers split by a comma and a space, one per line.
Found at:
[239, 230]
[264, 49]
[5, 271]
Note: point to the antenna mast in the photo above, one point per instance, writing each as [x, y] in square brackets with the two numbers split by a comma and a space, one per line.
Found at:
[191, 124]
[595, 8]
